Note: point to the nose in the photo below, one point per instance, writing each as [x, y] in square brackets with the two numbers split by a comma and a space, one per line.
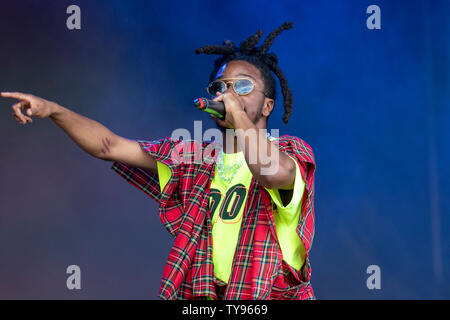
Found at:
[229, 87]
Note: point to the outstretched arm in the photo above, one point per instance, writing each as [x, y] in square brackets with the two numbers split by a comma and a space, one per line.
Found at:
[90, 135]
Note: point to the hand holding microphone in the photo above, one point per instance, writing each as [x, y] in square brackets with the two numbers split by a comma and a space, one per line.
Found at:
[226, 108]
[216, 108]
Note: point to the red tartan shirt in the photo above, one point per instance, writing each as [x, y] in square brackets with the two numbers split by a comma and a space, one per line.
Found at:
[258, 270]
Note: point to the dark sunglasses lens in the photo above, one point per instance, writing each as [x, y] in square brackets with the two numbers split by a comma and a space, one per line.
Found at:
[243, 86]
[215, 86]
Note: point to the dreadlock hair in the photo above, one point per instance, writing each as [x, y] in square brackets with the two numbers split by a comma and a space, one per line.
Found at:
[258, 56]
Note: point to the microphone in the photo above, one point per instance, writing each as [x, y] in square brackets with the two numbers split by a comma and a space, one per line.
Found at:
[216, 108]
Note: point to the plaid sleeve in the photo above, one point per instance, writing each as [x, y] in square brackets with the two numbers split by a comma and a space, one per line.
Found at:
[145, 179]
[303, 154]
[286, 220]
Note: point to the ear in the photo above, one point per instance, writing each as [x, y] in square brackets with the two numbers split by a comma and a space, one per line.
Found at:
[267, 107]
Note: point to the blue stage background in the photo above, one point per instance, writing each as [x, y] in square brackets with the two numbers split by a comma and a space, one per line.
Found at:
[372, 104]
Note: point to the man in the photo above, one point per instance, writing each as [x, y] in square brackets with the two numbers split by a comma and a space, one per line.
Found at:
[240, 232]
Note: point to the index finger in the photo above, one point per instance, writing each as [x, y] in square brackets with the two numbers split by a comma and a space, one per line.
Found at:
[16, 95]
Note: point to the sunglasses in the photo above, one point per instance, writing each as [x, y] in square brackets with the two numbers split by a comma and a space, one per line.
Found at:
[242, 86]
